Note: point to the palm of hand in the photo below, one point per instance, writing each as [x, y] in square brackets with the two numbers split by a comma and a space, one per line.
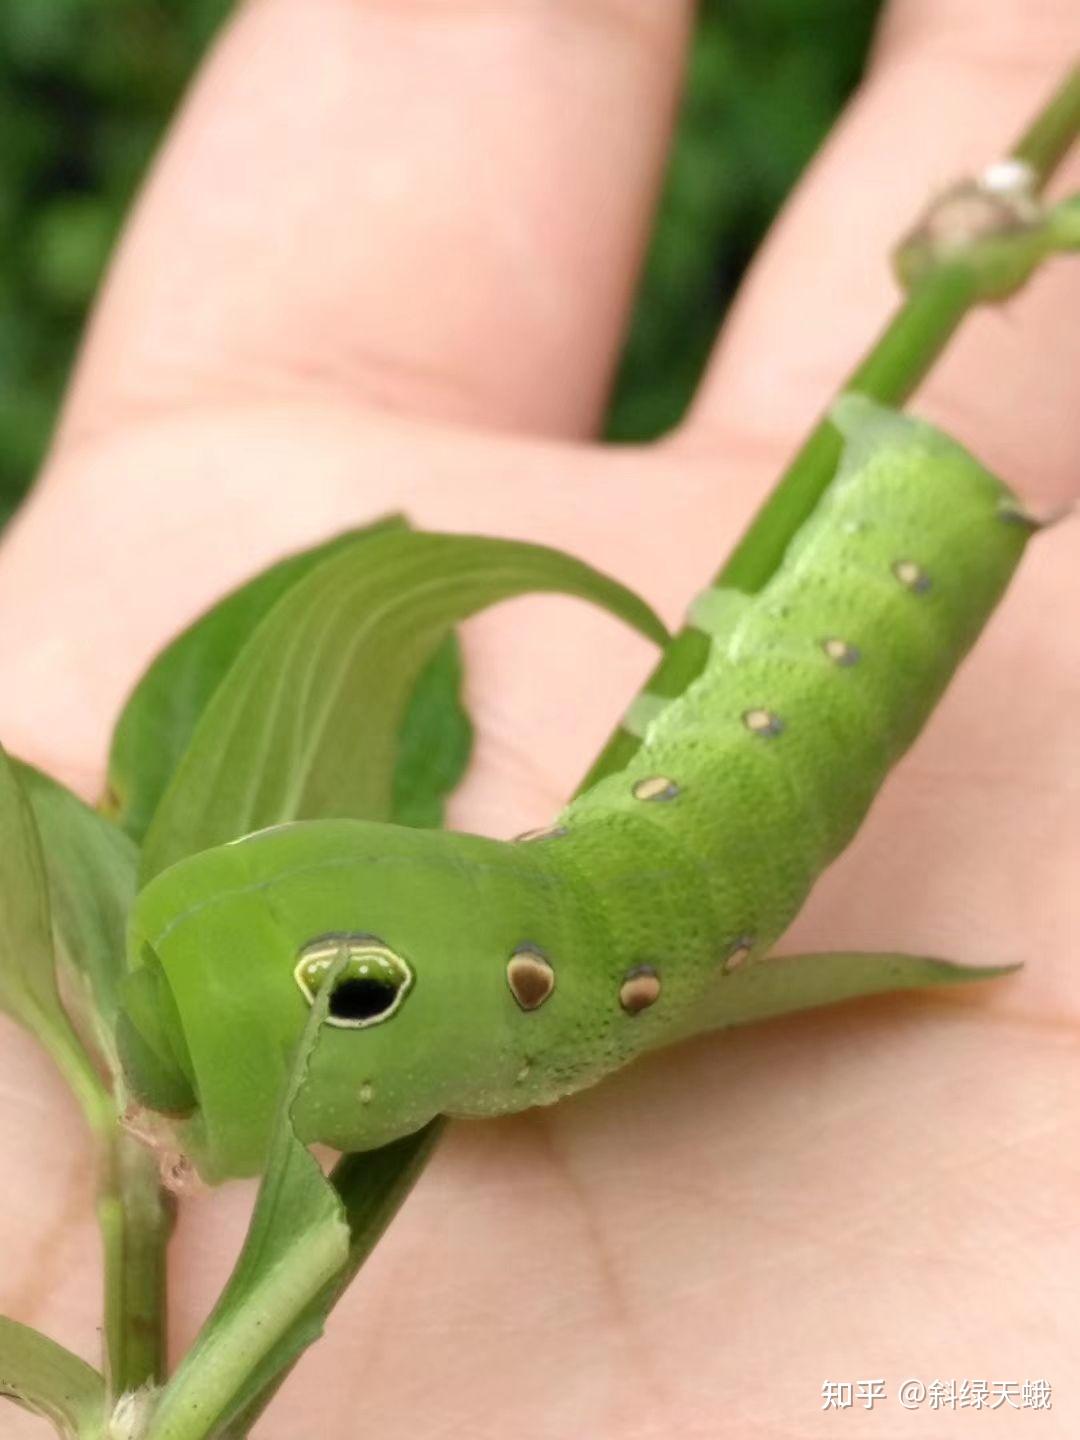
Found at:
[874, 1191]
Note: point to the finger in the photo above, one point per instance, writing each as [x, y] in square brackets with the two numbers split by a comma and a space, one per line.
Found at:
[438, 207]
[953, 84]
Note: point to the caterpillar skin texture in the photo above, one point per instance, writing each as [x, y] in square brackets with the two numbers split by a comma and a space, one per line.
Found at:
[513, 973]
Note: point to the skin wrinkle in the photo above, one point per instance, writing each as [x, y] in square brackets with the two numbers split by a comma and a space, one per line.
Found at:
[606, 1266]
[376, 379]
[870, 1229]
[1009, 1020]
[367, 378]
[795, 1236]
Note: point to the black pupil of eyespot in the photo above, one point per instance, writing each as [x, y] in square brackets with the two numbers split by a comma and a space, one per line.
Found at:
[361, 999]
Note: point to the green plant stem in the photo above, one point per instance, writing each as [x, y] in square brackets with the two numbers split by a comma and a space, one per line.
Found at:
[212, 1372]
[1046, 141]
[136, 1218]
[897, 363]
[246, 1351]
[904, 353]
[372, 1187]
[1065, 222]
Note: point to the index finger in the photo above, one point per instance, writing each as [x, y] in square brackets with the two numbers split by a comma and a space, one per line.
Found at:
[432, 207]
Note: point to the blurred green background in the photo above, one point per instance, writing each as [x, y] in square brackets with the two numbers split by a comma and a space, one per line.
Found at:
[87, 86]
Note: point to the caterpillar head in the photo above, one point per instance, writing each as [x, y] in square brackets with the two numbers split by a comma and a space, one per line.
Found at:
[434, 945]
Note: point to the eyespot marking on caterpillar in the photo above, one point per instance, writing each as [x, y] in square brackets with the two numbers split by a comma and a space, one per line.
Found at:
[738, 954]
[913, 577]
[840, 652]
[531, 977]
[370, 987]
[763, 722]
[640, 989]
[655, 787]
[366, 1093]
[544, 832]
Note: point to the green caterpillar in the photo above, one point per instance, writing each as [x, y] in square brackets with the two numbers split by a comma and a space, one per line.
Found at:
[476, 977]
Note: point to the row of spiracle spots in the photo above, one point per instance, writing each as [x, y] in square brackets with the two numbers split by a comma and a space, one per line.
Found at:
[530, 976]
[759, 720]
[530, 973]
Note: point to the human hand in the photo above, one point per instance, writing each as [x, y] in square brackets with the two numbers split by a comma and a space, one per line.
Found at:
[404, 288]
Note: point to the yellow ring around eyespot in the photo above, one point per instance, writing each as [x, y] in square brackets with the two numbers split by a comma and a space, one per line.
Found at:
[324, 951]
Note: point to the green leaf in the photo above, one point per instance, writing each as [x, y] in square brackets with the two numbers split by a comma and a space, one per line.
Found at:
[159, 718]
[157, 722]
[371, 1188]
[49, 1381]
[785, 983]
[296, 1245]
[91, 868]
[434, 743]
[28, 991]
[306, 722]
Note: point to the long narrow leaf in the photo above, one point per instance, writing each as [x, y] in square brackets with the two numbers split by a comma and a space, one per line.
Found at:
[91, 867]
[50, 1381]
[28, 991]
[160, 716]
[307, 721]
